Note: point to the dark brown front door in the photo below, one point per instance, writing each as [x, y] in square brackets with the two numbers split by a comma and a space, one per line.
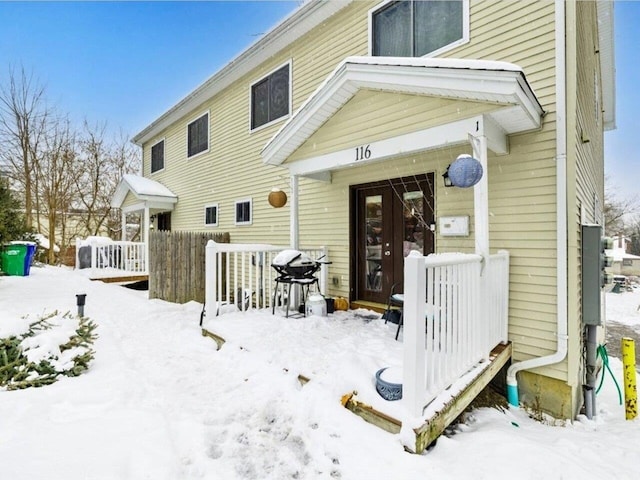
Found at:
[391, 218]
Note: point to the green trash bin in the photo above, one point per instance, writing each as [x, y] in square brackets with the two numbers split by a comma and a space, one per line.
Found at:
[13, 259]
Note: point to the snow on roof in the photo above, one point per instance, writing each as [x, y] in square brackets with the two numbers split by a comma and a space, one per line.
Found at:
[619, 254]
[145, 186]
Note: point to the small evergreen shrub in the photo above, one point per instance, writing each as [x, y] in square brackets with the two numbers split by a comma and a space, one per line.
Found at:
[56, 344]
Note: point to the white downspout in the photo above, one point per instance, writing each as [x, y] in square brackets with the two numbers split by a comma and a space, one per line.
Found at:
[561, 215]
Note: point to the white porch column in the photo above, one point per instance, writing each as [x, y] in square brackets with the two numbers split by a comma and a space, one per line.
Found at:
[481, 217]
[123, 225]
[293, 212]
[481, 196]
[146, 223]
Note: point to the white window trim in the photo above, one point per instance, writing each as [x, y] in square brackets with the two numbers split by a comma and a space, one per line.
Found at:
[186, 134]
[235, 206]
[284, 117]
[164, 159]
[435, 53]
[217, 207]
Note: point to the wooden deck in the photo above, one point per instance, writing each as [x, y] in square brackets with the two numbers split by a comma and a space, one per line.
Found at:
[436, 420]
[123, 279]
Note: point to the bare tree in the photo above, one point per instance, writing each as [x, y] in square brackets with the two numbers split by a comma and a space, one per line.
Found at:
[103, 163]
[55, 175]
[617, 211]
[23, 114]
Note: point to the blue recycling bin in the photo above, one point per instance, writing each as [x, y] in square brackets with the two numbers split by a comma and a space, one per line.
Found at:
[31, 252]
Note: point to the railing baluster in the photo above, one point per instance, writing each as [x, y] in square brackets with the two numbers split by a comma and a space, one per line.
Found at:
[459, 332]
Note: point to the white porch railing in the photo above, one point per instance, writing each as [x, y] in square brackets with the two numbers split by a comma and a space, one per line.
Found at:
[241, 275]
[111, 258]
[455, 313]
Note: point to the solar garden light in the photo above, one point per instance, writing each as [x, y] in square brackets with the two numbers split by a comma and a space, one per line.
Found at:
[80, 300]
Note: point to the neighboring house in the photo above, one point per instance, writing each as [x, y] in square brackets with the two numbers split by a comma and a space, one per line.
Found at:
[623, 263]
[357, 119]
[70, 225]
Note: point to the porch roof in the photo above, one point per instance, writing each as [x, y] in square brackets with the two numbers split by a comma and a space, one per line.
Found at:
[499, 83]
[143, 189]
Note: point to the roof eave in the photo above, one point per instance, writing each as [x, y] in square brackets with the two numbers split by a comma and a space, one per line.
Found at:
[604, 10]
[355, 73]
[298, 23]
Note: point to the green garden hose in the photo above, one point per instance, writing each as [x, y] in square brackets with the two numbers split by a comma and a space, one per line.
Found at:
[602, 352]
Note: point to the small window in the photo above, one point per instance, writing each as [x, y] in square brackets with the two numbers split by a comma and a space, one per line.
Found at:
[211, 215]
[243, 212]
[418, 28]
[157, 156]
[270, 98]
[198, 136]
[627, 262]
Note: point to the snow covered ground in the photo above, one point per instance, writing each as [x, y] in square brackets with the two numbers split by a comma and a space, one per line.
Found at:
[159, 401]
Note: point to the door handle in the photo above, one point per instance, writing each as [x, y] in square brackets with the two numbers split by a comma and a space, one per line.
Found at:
[387, 253]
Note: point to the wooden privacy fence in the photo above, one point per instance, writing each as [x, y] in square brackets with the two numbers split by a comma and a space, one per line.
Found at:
[176, 264]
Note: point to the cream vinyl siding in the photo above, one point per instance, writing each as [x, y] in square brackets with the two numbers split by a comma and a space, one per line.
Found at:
[522, 183]
[233, 168]
[522, 198]
[374, 115]
[586, 155]
[129, 199]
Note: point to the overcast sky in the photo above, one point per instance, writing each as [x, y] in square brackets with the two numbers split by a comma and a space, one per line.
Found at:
[128, 62]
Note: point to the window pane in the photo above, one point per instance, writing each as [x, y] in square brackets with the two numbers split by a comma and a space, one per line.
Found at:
[198, 135]
[260, 104]
[373, 242]
[279, 94]
[392, 31]
[437, 23]
[243, 212]
[211, 215]
[157, 157]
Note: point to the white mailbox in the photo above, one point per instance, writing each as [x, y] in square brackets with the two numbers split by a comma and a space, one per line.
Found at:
[454, 226]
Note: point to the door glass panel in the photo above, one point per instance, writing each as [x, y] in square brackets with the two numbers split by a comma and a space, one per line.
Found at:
[373, 243]
[413, 222]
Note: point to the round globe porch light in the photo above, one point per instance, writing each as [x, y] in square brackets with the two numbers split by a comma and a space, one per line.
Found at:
[277, 198]
[465, 171]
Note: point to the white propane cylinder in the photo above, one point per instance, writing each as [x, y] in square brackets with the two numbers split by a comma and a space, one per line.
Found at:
[316, 305]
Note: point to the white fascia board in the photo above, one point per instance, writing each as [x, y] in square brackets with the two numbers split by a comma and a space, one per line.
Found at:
[606, 42]
[136, 207]
[156, 199]
[298, 23]
[505, 87]
[453, 133]
[151, 205]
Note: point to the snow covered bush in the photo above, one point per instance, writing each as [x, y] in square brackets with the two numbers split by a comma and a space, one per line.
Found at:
[56, 344]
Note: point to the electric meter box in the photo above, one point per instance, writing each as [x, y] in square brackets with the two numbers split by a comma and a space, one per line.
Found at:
[594, 277]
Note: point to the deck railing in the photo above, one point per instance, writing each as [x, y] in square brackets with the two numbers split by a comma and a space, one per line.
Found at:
[455, 313]
[111, 258]
[240, 276]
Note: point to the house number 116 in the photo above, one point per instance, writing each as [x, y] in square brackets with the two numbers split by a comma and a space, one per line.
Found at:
[363, 153]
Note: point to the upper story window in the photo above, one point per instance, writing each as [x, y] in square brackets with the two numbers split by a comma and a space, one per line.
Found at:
[418, 28]
[270, 97]
[157, 156]
[198, 135]
[243, 212]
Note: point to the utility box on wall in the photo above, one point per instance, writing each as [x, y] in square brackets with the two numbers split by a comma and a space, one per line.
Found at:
[594, 277]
